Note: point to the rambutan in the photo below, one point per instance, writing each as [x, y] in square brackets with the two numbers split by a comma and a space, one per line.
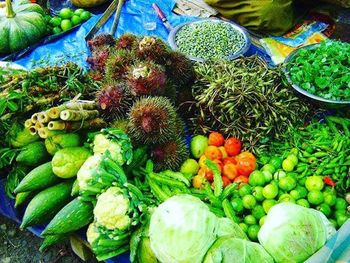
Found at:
[113, 101]
[118, 63]
[154, 49]
[179, 69]
[152, 120]
[127, 41]
[169, 155]
[146, 78]
[99, 58]
[101, 40]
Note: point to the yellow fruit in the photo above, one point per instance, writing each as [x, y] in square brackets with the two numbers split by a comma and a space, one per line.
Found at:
[198, 181]
[202, 161]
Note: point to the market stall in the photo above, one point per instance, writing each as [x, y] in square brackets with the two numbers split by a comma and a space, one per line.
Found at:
[180, 138]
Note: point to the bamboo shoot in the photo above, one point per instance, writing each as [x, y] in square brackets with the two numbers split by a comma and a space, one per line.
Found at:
[32, 130]
[80, 105]
[43, 117]
[78, 115]
[45, 132]
[54, 113]
[28, 123]
[76, 125]
[34, 118]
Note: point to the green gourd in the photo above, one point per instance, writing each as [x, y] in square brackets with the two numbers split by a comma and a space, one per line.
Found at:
[21, 24]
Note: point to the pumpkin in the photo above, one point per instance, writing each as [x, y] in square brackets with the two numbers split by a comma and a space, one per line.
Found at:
[21, 24]
[87, 3]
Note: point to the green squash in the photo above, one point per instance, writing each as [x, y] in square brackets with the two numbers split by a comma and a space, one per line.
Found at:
[21, 24]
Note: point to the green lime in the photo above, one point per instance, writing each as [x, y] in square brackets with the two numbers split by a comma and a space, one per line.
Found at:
[315, 197]
[270, 191]
[334, 222]
[262, 220]
[257, 178]
[56, 30]
[302, 181]
[76, 20]
[314, 183]
[267, 176]
[245, 189]
[253, 231]
[237, 205]
[329, 198]
[340, 204]
[79, 11]
[66, 24]
[268, 168]
[55, 21]
[268, 203]
[279, 174]
[276, 162]
[66, 13]
[325, 209]
[258, 193]
[286, 198]
[258, 212]
[190, 166]
[303, 202]
[249, 201]
[287, 183]
[85, 15]
[244, 227]
[249, 220]
[293, 159]
[198, 145]
[341, 219]
[287, 165]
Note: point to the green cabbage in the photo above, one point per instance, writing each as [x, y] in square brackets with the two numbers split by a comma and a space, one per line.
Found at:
[229, 249]
[292, 233]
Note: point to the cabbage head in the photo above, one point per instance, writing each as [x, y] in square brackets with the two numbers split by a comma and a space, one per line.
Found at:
[292, 233]
[229, 249]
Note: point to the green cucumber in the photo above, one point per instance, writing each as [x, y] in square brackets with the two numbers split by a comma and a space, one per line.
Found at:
[44, 206]
[39, 178]
[52, 240]
[33, 154]
[75, 188]
[22, 197]
[72, 217]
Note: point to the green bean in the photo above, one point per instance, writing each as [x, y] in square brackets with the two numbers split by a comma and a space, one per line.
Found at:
[229, 211]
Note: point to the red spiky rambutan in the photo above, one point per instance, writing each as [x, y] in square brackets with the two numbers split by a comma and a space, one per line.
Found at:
[154, 49]
[113, 101]
[146, 78]
[179, 69]
[100, 41]
[127, 41]
[118, 63]
[152, 120]
[169, 155]
[98, 59]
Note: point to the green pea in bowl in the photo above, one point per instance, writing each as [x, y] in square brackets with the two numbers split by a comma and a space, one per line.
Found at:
[313, 98]
[207, 39]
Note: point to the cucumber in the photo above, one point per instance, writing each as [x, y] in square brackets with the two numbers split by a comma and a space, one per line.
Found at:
[22, 197]
[43, 207]
[33, 154]
[52, 240]
[75, 188]
[39, 178]
[72, 217]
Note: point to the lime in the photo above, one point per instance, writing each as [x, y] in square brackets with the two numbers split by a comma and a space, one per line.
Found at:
[257, 178]
[244, 227]
[314, 183]
[85, 15]
[279, 174]
[262, 220]
[325, 209]
[334, 222]
[270, 191]
[258, 212]
[66, 13]
[258, 193]
[79, 11]
[329, 198]
[66, 24]
[341, 219]
[249, 201]
[190, 166]
[198, 145]
[250, 220]
[276, 162]
[287, 183]
[245, 189]
[76, 20]
[303, 202]
[315, 197]
[56, 30]
[293, 159]
[268, 203]
[55, 21]
[268, 168]
[287, 165]
[267, 176]
[302, 181]
[340, 204]
[237, 205]
[253, 231]
[286, 198]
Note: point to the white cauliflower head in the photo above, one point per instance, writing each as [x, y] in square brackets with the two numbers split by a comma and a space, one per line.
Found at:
[111, 210]
[92, 233]
[87, 170]
[102, 144]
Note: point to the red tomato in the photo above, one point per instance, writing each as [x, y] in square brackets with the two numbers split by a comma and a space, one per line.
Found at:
[230, 160]
[241, 179]
[216, 139]
[246, 166]
[230, 171]
[246, 155]
[213, 152]
[209, 175]
[233, 146]
[225, 181]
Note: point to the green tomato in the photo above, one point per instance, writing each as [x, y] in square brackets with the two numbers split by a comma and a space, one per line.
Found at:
[302, 181]
[56, 30]
[245, 189]
[334, 222]
[303, 202]
[257, 178]
[258, 193]
[237, 205]
[267, 176]
[244, 227]
[287, 183]
[294, 151]
[249, 201]
[76, 20]
[276, 162]
[315, 197]
[258, 212]
[341, 219]
[314, 183]
[55, 21]
[85, 15]
[338, 213]
[286, 198]
[287, 165]
[66, 24]
[66, 13]
[190, 166]
[293, 159]
[198, 145]
[325, 209]
[268, 168]
[340, 204]
[302, 191]
[253, 231]
[295, 194]
[79, 11]
[279, 174]
[250, 220]
[268, 203]
[329, 198]
[262, 221]
[270, 191]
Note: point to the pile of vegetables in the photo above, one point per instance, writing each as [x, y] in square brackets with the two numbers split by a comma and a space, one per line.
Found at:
[323, 70]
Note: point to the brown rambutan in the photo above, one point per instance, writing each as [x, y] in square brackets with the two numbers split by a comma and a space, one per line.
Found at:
[99, 58]
[113, 101]
[154, 49]
[118, 63]
[152, 120]
[169, 155]
[127, 41]
[146, 78]
[101, 40]
[179, 69]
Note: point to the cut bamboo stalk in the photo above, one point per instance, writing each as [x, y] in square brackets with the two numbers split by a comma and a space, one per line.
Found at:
[76, 125]
[54, 113]
[32, 130]
[38, 125]
[45, 132]
[80, 105]
[43, 117]
[78, 115]
[28, 123]
[56, 125]
[34, 118]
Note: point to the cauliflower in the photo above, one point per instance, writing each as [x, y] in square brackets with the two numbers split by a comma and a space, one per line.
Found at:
[111, 210]
[87, 171]
[102, 144]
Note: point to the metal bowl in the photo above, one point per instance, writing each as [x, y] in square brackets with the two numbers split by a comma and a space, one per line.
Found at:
[243, 50]
[320, 101]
